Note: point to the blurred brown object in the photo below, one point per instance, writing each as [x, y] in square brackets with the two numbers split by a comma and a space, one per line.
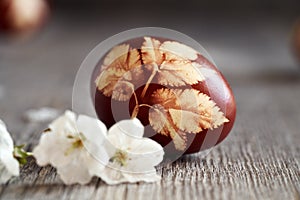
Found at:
[296, 39]
[22, 17]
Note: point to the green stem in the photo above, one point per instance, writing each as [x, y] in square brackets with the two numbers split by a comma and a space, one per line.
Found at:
[29, 154]
[21, 155]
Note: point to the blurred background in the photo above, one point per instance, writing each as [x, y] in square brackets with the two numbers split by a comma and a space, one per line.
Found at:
[251, 41]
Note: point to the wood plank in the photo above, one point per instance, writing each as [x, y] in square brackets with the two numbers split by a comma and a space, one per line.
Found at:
[260, 159]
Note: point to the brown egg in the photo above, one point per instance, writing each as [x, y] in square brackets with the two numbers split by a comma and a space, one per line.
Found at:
[296, 39]
[180, 97]
[22, 16]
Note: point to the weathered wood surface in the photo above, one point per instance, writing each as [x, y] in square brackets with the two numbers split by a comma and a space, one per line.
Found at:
[259, 160]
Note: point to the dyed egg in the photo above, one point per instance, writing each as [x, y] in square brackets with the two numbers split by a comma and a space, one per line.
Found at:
[180, 97]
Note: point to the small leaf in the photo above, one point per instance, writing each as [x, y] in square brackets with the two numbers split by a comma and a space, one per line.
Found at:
[106, 81]
[174, 61]
[179, 73]
[151, 52]
[166, 98]
[179, 139]
[180, 111]
[162, 123]
[218, 118]
[179, 50]
[117, 53]
[179, 116]
[121, 63]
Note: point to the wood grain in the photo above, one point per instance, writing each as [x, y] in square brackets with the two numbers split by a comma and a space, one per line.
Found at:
[259, 160]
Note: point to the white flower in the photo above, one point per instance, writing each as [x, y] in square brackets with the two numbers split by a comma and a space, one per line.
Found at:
[132, 157]
[9, 166]
[74, 147]
[80, 149]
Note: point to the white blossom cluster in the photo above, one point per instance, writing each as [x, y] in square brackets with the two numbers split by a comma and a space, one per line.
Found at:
[81, 147]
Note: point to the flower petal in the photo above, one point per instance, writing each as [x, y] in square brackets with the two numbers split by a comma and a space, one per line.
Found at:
[9, 166]
[143, 152]
[144, 156]
[95, 133]
[96, 164]
[6, 141]
[142, 177]
[74, 173]
[65, 124]
[112, 175]
[123, 134]
[131, 127]
[52, 149]
[5, 175]
[81, 169]
[93, 129]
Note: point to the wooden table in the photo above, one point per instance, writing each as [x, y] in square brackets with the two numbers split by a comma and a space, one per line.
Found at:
[259, 160]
